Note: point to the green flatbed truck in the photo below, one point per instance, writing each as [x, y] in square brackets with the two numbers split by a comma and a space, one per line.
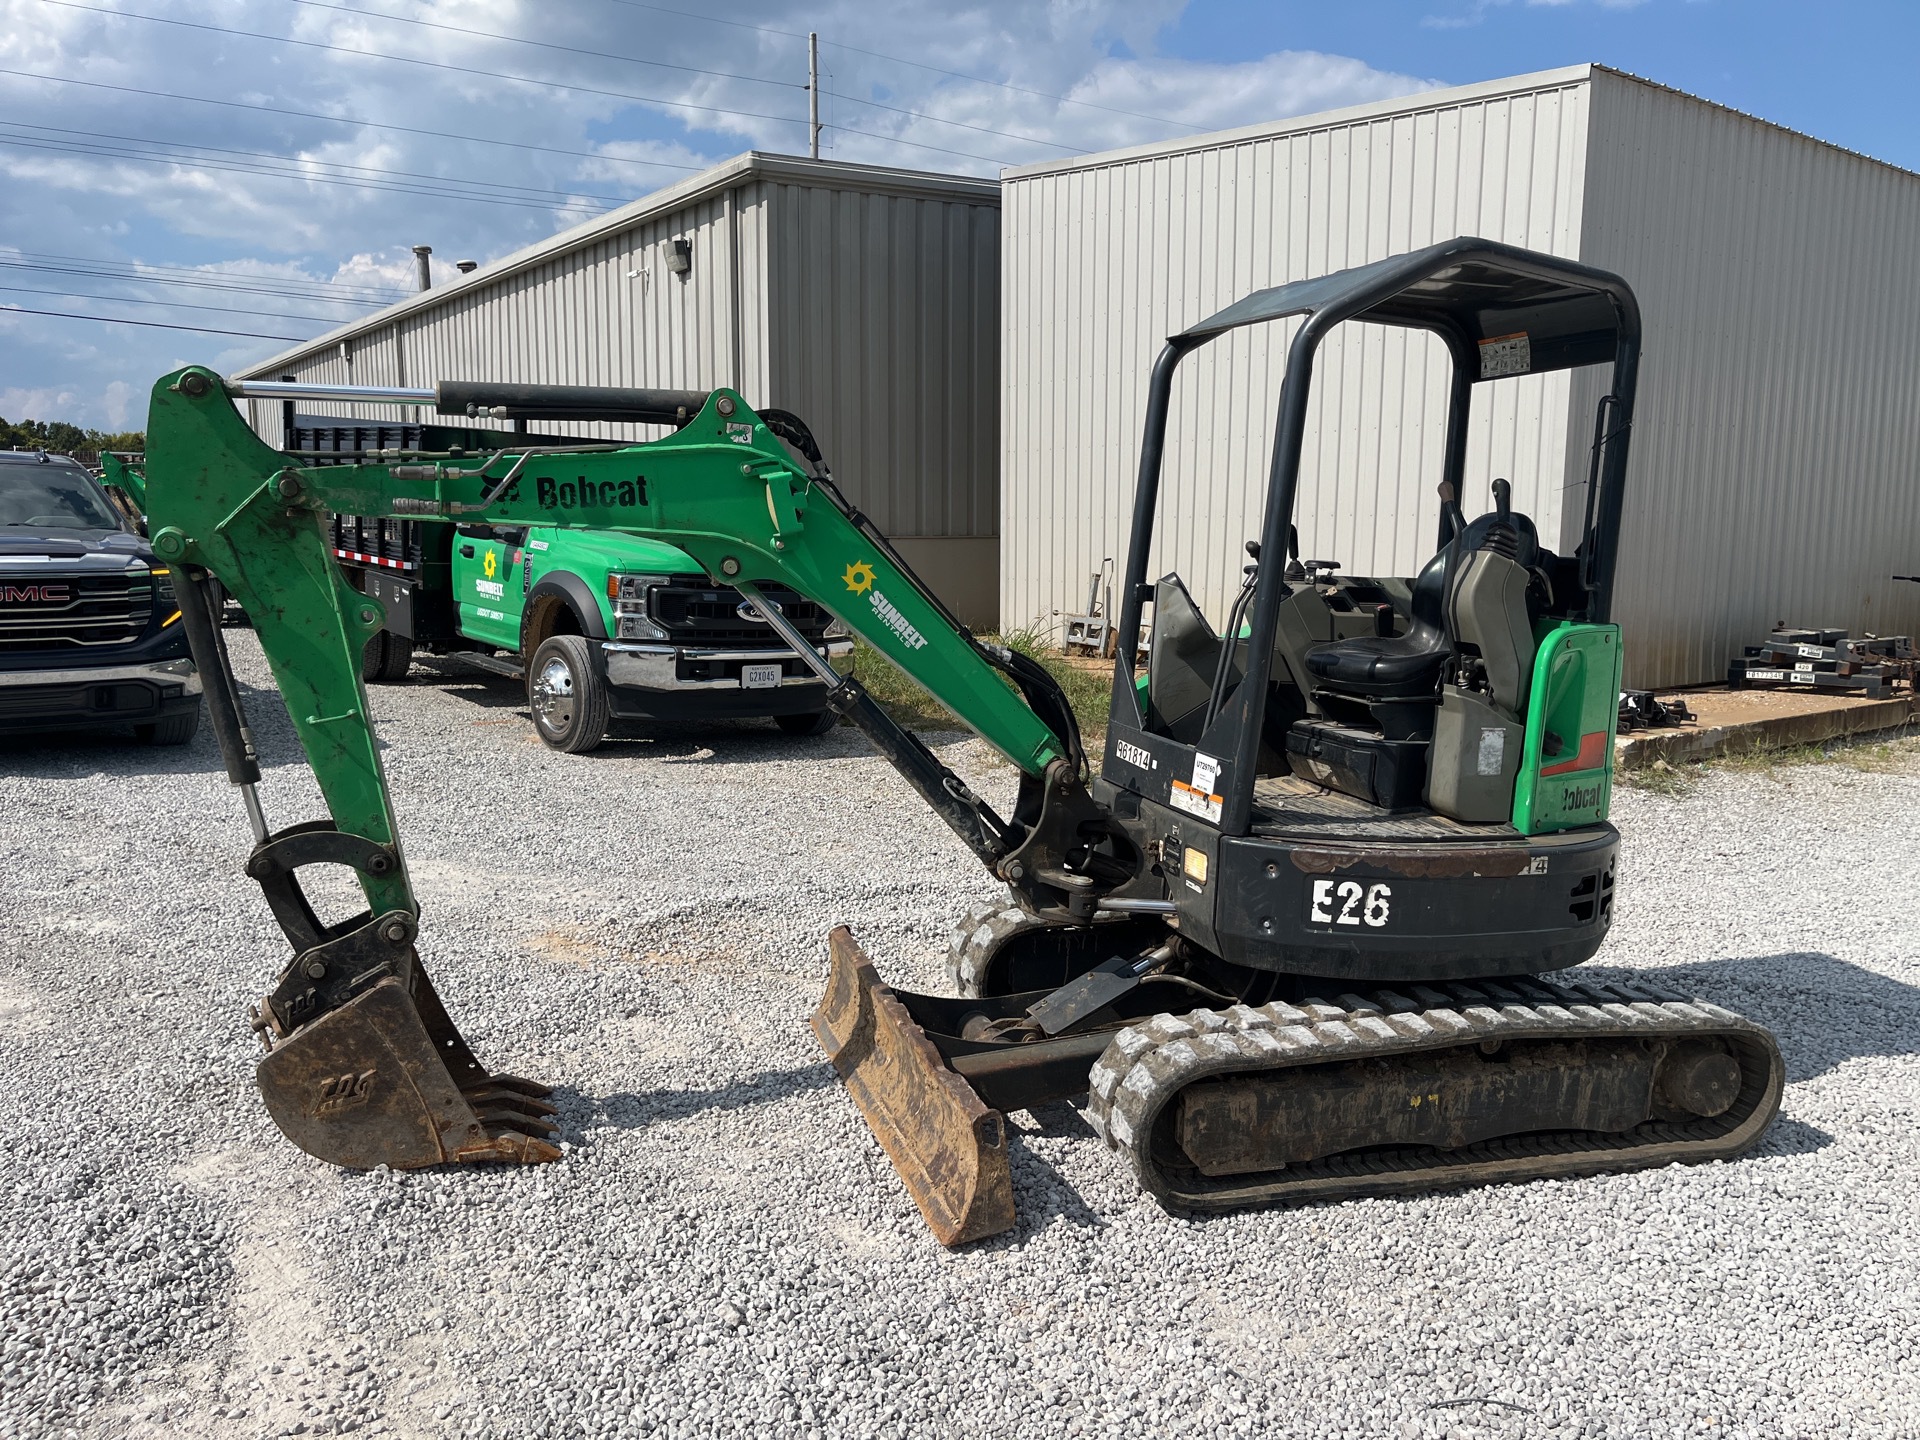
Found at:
[601, 627]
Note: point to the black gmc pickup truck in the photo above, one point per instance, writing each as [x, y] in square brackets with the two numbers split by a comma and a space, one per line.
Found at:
[89, 635]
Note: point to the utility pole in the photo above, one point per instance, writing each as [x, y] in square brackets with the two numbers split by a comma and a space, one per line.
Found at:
[813, 94]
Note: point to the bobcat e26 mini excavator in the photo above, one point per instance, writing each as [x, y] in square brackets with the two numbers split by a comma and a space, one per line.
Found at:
[1288, 933]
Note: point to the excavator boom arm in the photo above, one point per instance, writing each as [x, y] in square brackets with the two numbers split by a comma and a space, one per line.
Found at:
[363, 1066]
[722, 489]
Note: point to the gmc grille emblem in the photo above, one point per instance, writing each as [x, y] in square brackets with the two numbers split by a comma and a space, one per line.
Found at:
[36, 594]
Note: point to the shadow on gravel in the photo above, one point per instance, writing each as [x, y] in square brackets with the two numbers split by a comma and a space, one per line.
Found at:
[73, 754]
[1824, 1011]
[637, 1111]
[1791, 1137]
[1041, 1194]
[477, 688]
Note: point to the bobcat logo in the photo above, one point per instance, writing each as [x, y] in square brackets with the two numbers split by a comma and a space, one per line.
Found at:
[343, 1092]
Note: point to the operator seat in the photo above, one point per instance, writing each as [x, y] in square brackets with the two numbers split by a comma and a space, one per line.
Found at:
[1384, 667]
[1473, 591]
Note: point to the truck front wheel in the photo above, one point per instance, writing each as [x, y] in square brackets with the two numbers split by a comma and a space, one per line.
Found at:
[568, 698]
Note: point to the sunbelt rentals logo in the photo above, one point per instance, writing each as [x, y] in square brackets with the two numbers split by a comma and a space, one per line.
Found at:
[859, 579]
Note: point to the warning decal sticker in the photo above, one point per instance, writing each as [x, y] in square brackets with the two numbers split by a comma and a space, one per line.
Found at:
[1505, 355]
[1199, 798]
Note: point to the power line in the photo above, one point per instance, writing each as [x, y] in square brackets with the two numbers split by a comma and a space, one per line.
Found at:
[410, 60]
[146, 324]
[162, 304]
[349, 120]
[277, 294]
[66, 147]
[935, 119]
[527, 190]
[545, 44]
[517, 79]
[916, 64]
[143, 270]
[1005, 85]
[640, 60]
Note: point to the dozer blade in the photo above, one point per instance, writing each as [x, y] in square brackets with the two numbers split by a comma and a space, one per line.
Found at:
[385, 1079]
[949, 1147]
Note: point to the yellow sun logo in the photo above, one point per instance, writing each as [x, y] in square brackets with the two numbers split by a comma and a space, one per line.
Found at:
[490, 564]
[859, 577]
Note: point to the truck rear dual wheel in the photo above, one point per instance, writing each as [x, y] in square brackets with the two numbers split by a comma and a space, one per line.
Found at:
[567, 695]
[387, 659]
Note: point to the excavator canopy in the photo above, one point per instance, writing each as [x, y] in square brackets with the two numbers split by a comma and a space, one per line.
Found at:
[1478, 295]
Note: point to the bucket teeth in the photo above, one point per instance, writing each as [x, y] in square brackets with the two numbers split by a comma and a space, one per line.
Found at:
[509, 1102]
[509, 1147]
[386, 1079]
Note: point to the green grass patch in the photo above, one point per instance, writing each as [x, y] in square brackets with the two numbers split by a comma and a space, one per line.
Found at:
[1881, 753]
[909, 703]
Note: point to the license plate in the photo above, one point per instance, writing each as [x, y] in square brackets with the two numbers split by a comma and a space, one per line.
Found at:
[759, 677]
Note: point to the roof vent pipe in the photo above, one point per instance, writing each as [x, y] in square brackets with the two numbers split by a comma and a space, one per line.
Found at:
[466, 267]
[422, 270]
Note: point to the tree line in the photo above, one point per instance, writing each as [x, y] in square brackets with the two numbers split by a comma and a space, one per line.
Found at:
[64, 439]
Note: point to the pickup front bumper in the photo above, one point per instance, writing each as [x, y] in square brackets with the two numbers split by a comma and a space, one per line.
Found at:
[127, 694]
[660, 681]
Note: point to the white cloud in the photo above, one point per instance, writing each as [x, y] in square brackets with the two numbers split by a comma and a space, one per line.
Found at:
[117, 401]
[234, 220]
[1478, 10]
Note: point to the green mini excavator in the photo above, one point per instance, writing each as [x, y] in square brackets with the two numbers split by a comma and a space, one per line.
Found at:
[1296, 934]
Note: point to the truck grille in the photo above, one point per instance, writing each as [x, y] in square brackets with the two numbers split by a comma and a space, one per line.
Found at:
[696, 614]
[73, 612]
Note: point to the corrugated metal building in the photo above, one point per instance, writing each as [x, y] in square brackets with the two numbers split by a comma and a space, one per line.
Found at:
[1778, 422]
[864, 299]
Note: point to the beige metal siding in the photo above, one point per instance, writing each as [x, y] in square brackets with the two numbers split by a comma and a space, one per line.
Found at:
[1105, 258]
[1777, 434]
[882, 315]
[608, 313]
[862, 298]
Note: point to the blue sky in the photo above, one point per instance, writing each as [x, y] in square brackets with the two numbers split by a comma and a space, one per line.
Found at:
[1843, 70]
[297, 148]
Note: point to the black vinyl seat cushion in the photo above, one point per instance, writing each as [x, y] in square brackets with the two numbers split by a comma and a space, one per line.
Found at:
[1381, 666]
[1392, 666]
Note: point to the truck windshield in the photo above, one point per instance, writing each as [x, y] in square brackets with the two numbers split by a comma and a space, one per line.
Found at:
[53, 497]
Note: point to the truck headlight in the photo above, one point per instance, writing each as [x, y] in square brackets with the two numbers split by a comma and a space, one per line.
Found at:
[836, 629]
[630, 596]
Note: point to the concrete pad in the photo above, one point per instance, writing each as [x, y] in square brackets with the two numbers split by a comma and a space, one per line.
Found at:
[1740, 721]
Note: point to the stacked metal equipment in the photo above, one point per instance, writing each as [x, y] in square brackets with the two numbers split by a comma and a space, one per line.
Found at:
[1867, 665]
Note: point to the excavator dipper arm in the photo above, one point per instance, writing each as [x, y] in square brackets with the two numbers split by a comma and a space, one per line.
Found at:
[363, 1066]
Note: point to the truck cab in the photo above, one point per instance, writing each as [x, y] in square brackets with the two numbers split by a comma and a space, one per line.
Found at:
[89, 633]
[602, 628]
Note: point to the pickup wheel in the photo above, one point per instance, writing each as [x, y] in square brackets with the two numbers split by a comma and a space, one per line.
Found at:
[568, 698]
[387, 659]
[818, 723]
[174, 730]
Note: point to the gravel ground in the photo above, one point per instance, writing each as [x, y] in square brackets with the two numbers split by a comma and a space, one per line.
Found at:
[725, 1250]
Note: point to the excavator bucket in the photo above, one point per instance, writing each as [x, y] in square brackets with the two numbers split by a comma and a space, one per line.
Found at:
[385, 1079]
[948, 1145]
